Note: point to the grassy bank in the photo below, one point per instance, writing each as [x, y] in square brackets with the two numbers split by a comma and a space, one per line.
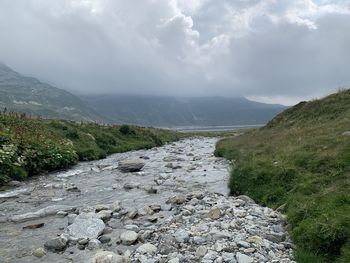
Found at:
[33, 146]
[301, 159]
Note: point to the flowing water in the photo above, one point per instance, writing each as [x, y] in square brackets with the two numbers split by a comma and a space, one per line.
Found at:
[100, 182]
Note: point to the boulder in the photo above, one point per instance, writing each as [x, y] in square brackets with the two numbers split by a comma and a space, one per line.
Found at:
[86, 225]
[130, 166]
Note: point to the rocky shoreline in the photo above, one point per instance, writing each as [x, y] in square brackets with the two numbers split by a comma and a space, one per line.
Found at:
[183, 221]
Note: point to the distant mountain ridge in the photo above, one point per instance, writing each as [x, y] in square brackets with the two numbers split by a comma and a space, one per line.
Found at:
[29, 95]
[26, 94]
[164, 111]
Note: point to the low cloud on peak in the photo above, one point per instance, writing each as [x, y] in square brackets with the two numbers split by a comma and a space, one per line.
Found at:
[264, 49]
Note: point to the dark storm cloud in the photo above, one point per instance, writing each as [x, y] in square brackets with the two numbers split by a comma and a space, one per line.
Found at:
[268, 49]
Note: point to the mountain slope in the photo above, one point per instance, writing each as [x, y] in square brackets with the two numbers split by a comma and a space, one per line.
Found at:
[170, 111]
[24, 94]
[301, 160]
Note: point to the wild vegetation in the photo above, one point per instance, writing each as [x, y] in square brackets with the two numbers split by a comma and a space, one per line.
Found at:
[300, 162]
[30, 146]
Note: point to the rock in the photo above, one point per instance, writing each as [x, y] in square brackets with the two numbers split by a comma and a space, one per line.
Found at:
[128, 237]
[83, 241]
[71, 218]
[151, 189]
[275, 237]
[39, 252]
[346, 133]
[214, 213]
[56, 244]
[107, 230]
[108, 257]
[86, 225]
[113, 223]
[243, 244]
[152, 219]
[104, 239]
[171, 159]
[174, 260]
[34, 226]
[132, 213]
[115, 206]
[99, 208]
[62, 213]
[131, 185]
[181, 236]
[147, 248]
[249, 250]
[47, 211]
[73, 188]
[177, 200]
[130, 166]
[94, 244]
[242, 258]
[201, 251]
[246, 199]
[144, 157]
[211, 255]
[14, 183]
[134, 228]
[105, 214]
[199, 240]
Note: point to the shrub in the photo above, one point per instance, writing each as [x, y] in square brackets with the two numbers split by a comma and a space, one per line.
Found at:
[126, 130]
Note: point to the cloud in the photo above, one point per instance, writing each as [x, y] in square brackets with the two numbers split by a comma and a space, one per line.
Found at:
[258, 48]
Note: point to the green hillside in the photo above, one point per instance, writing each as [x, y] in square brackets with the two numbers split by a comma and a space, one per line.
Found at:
[24, 94]
[300, 162]
[34, 146]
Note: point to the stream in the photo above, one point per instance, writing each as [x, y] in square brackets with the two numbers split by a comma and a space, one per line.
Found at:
[178, 206]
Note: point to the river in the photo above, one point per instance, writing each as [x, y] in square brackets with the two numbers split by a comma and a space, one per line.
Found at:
[185, 169]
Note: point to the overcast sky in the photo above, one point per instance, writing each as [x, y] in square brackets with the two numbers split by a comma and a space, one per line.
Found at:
[269, 50]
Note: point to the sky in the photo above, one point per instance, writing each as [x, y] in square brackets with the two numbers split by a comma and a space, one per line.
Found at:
[276, 51]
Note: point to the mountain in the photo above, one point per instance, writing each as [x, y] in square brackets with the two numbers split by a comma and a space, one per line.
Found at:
[25, 94]
[299, 163]
[162, 111]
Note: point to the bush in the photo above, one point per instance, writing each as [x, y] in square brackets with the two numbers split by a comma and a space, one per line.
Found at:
[35, 146]
[126, 130]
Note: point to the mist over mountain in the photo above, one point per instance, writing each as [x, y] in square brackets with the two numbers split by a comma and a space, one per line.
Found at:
[175, 111]
[29, 95]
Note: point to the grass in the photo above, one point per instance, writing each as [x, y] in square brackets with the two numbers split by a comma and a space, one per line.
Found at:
[301, 159]
[30, 146]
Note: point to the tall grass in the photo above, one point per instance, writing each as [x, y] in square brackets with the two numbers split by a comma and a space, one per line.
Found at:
[301, 159]
[31, 146]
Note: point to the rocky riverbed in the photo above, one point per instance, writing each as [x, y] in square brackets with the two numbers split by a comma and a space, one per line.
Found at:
[167, 204]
